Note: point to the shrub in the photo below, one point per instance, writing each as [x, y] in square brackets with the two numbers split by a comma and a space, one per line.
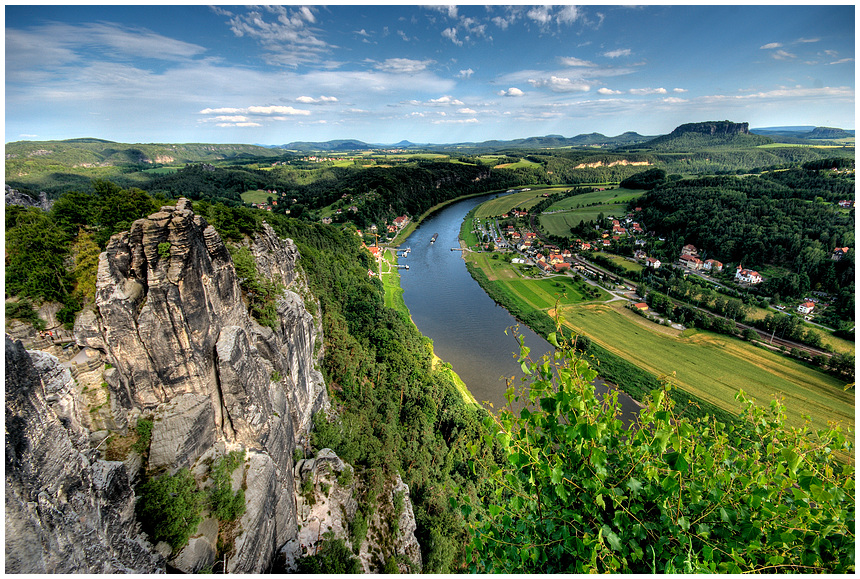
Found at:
[169, 508]
[144, 435]
[225, 504]
[332, 557]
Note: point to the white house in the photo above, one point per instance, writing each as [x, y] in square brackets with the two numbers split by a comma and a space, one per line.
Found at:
[805, 307]
[747, 275]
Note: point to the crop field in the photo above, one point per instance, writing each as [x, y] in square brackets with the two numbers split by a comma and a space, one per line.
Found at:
[505, 203]
[517, 165]
[715, 367]
[609, 196]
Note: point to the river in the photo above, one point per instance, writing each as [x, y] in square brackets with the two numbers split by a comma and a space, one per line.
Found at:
[467, 327]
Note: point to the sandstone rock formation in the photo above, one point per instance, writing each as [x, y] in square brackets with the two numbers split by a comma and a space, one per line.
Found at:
[66, 510]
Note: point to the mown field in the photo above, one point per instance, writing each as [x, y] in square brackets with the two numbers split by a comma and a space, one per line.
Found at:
[258, 196]
[506, 203]
[608, 196]
[585, 207]
[715, 367]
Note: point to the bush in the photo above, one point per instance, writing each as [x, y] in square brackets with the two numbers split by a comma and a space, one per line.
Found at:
[23, 310]
[144, 435]
[332, 557]
[169, 508]
[225, 504]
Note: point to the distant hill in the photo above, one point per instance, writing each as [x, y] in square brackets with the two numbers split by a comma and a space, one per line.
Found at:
[706, 135]
[803, 132]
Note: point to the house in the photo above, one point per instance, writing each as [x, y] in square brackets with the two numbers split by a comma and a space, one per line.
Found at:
[639, 254]
[689, 250]
[374, 250]
[747, 275]
[585, 246]
[839, 253]
[639, 242]
[617, 229]
[606, 243]
[401, 221]
[652, 262]
[559, 267]
[846, 203]
[637, 228]
[555, 258]
[713, 265]
[566, 254]
[531, 235]
[326, 220]
[690, 262]
[641, 306]
[805, 307]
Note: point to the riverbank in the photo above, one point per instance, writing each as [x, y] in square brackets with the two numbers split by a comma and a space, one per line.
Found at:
[390, 277]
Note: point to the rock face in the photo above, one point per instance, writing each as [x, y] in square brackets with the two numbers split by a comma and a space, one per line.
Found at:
[15, 197]
[713, 128]
[66, 511]
[171, 319]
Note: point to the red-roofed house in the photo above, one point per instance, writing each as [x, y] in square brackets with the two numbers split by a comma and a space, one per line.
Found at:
[747, 275]
[690, 262]
[641, 306]
[652, 262]
[805, 307]
[713, 265]
[689, 250]
[839, 253]
[561, 266]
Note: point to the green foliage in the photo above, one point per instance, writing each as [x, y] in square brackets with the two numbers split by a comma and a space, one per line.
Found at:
[23, 310]
[578, 493]
[164, 250]
[261, 292]
[144, 435]
[224, 503]
[85, 252]
[332, 557]
[36, 252]
[358, 530]
[169, 508]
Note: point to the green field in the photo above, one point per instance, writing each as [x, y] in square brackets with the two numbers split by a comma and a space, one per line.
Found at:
[630, 266]
[505, 203]
[560, 223]
[715, 367]
[608, 196]
[258, 196]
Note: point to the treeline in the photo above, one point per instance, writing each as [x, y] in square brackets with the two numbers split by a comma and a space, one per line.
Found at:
[773, 219]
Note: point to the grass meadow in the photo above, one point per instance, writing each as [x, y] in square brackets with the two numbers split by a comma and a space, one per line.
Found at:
[715, 367]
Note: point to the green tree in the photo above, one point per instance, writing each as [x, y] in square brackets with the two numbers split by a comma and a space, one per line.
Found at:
[36, 251]
[577, 492]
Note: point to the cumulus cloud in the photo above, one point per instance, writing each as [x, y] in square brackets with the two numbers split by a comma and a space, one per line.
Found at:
[287, 35]
[511, 92]
[618, 53]
[446, 100]
[560, 84]
[451, 34]
[256, 110]
[770, 45]
[466, 73]
[646, 91]
[673, 100]
[470, 121]
[403, 65]
[679, 90]
[467, 111]
[245, 124]
[572, 61]
[607, 91]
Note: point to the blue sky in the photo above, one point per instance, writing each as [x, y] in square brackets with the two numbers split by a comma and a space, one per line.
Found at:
[427, 74]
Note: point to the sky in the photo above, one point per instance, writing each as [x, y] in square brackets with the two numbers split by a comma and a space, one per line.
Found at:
[427, 74]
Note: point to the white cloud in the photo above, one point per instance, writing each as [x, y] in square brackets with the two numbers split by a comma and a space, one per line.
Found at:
[568, 14]
[842, 61]
[446, 100]
[674, 100]
[403, 65]
[247, 124]
[222, 110]
[571, 61]
[646, 91]
[451, 34]
[783, 55]
[679, 90]
[511, 92]
[770, 46]
[540, 14]
[276, 110]
[466, 73]
[311, 101]
[467, 111]
[232, 119]
[288, 39]
[618, 53]
[455, 121]
[608, 91]
[807, 40]
[560, 84]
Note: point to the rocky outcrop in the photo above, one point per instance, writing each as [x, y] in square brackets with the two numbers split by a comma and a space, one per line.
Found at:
[713, 128]
[66, 510]
[170, 317]
[15, 197]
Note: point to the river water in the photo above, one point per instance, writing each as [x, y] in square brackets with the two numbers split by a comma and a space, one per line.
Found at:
[467, 327]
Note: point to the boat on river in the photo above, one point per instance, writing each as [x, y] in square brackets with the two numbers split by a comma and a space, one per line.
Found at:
[433, 239]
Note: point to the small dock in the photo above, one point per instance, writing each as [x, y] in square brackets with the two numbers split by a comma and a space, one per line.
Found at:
[457, 249]
[402, 266]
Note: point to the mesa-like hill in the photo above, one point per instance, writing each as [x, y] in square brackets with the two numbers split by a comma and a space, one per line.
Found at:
[706, 135]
